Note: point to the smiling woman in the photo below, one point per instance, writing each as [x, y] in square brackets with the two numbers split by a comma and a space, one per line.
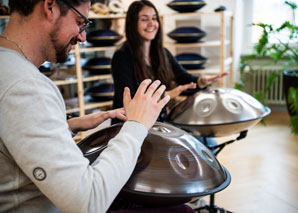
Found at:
[143, 56]
[147, 23]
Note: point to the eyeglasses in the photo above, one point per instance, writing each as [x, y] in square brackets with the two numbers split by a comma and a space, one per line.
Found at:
[86, 21]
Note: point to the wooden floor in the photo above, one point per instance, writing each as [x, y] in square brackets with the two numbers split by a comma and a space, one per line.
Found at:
[264, 169]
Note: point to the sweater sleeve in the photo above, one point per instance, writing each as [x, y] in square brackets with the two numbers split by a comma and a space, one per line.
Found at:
[36, 134]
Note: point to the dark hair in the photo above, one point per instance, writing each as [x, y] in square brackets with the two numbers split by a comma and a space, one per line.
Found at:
[159, 61]
[25, 7]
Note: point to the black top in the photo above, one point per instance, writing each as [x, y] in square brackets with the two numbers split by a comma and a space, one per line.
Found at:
[124, 76]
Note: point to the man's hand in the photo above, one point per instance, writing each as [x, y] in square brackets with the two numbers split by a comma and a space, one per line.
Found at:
[176, 91]
[146, 104]
[93, 120]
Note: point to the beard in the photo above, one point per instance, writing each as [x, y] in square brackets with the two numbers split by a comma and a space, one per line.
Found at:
[61, 49]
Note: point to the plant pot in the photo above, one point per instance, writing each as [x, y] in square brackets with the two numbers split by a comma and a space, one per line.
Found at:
[290, 79]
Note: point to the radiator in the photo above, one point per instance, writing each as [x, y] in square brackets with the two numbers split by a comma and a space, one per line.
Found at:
[260, 76]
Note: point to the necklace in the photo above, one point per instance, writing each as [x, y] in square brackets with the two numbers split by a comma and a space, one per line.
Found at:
[15, 43]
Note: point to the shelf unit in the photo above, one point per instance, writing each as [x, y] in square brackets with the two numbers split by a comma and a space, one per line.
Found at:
[225, 60]
[77, 51]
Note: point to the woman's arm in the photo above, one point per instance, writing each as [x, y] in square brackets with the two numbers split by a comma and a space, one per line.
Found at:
[183, 77]
[204, 81]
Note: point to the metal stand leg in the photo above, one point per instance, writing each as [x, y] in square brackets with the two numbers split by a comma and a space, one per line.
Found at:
[211, 208]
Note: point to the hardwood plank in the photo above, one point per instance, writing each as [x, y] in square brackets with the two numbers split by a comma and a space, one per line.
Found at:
[264, 169]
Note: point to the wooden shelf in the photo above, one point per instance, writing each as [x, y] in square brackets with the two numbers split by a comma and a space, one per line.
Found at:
[85, 79]
[93, 15]
[196, 14]
[213, 69]
[97, 77]
[204, 71]
[95, 49]
[65, 82]
[224, 42]
[72, 104]
[91, 106]
[208, 71]
[98, 104]
[198, 44]
[5, 17]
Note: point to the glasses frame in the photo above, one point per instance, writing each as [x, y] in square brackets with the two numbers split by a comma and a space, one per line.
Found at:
[86, 20]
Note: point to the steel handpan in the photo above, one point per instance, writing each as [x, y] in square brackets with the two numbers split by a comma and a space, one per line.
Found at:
[173, 166]
[218, 112]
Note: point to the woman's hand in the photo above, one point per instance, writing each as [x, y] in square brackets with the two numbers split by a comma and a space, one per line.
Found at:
[176, 91]
[93, 120]
[146, 104]
[207, 80]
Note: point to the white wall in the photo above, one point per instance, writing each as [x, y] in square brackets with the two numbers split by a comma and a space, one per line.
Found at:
[242, 10]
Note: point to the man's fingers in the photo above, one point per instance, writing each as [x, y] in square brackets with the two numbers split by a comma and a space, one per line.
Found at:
[152, 88]
[143, 87]
[164, 101]
[146, 104]
[126, 96]
[158, 93]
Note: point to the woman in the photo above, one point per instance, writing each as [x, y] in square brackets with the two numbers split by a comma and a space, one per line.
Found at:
[143, 56]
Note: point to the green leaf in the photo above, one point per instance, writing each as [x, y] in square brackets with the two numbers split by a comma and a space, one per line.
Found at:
[271, 79]
[293, 5]
[293, 99]
[294, 124]
[260, 96]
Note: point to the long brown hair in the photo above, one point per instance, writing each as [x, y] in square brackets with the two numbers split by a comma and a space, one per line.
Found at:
[159, 60]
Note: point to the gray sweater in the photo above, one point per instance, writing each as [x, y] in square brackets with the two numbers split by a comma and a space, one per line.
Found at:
[41, 167]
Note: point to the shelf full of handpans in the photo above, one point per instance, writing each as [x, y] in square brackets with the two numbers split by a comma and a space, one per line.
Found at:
[86, 75]
[104, 39]
[192, 43]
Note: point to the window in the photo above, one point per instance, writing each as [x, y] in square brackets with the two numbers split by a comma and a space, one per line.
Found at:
[274, 12]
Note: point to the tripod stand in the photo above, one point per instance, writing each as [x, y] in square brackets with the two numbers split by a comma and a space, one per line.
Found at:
[212, 208]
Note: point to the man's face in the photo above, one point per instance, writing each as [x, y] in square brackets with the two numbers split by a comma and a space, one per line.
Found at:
[61, 49]
[66, 32]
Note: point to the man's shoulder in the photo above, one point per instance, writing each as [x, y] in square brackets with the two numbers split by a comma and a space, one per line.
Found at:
[14, 69]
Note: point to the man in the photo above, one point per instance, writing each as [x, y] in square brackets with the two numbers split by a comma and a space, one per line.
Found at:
[41, 168]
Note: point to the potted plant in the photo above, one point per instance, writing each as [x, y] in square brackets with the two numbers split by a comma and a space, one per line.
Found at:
[290, 81]
[282, 49]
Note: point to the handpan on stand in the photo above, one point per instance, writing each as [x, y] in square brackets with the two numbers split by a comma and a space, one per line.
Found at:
[217, 113]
